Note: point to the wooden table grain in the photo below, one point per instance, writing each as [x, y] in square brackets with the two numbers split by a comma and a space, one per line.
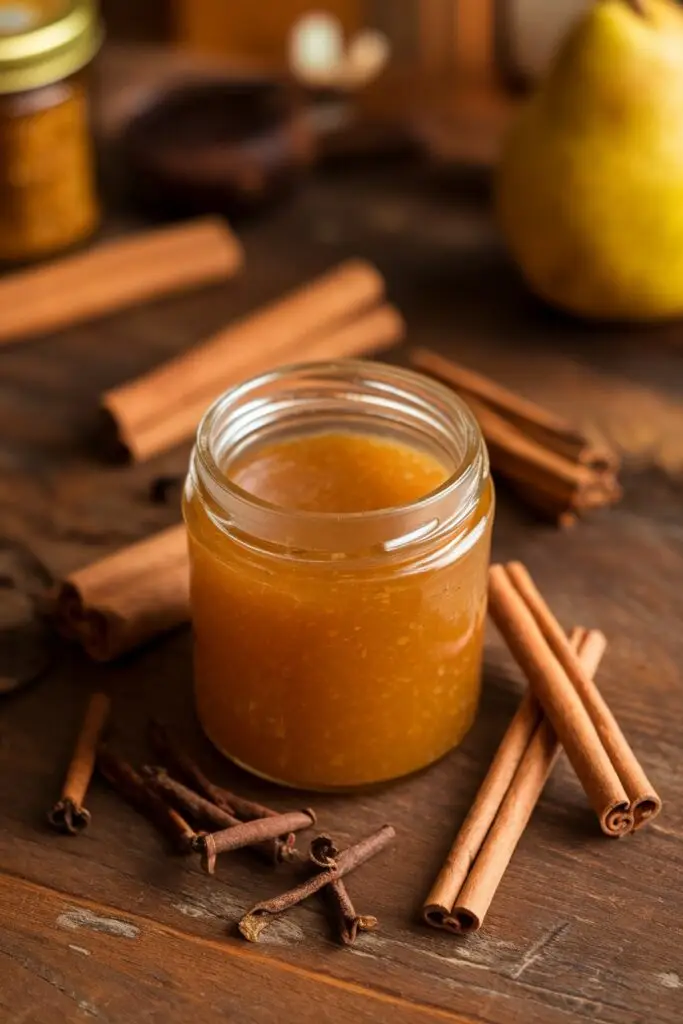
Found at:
[112, 927]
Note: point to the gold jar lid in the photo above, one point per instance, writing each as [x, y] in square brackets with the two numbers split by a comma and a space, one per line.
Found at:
[43, 41]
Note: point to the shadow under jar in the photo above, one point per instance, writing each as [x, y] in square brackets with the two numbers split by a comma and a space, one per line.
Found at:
[339, 519]
[48, 199]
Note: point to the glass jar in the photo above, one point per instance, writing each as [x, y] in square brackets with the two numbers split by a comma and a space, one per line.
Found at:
[335, 649]
[47, 189]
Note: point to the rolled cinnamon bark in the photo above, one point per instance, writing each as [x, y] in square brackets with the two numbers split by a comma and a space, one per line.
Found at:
[116, 274]
[253, 922]
[249, 833]
[323, 854]
[549, 429]
[127, 598]
[164, 407]
[69, 815]
[645, 803]
[176, 422]
[476, 895]
[123, 778]
[207, 813]
[466, 885]
[554, 467]
[439, 903]
[179, 763]
[561, 703]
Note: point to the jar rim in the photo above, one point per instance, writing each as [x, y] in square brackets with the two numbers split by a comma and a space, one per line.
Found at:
[446, 506]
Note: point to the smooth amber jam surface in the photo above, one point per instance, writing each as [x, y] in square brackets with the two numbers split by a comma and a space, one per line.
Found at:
[342, 670]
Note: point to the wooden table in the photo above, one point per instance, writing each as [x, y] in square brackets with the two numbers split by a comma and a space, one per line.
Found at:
[110, 926]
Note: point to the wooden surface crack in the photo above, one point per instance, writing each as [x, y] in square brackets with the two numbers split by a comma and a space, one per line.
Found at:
[538, 948]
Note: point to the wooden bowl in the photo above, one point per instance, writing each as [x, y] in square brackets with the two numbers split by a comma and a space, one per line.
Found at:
[219, 146]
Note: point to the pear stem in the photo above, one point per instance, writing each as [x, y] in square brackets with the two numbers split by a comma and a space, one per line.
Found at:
[638, 6]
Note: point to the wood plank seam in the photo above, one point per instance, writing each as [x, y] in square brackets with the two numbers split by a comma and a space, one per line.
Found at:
[232, 947]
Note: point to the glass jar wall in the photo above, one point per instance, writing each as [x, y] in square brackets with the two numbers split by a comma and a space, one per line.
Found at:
[339, 520]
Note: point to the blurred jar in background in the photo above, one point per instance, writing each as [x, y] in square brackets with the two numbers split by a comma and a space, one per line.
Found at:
[48, 200]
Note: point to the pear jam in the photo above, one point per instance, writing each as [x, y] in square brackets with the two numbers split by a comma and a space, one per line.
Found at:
[339, 606]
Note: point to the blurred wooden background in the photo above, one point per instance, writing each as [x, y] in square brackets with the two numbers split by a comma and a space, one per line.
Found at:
[440, 35]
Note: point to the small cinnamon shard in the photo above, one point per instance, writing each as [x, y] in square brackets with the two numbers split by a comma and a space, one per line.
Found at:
[123, 778]
[69, 815]
[253, 922]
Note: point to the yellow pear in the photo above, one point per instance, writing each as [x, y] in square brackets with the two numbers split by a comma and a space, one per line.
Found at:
[589, 191]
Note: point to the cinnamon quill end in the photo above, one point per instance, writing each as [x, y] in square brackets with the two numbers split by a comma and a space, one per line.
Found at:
[68, 817]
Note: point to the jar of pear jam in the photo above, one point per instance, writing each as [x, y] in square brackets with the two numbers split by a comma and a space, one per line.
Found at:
[339, 519]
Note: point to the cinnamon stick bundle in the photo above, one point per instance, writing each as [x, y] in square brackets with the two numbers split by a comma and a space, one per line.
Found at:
[127, 598]
[553, 466]
[465, 887]
[616, 786]
[116, 274]
[337, 315]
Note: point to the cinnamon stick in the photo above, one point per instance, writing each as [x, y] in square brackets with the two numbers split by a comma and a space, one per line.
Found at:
[179, 763]
[253, 923]
[116, 274]
[467, 883]
[163, 407]
[127, 598]
[439, 902]
[561, 703]
[123, 778]
[249, 833]
[175, 422]
[546, 427]
[68, 814]
[207, 813]
[645, 803]
[554, 467]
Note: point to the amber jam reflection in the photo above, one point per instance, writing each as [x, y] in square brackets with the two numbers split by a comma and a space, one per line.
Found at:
[339, 554]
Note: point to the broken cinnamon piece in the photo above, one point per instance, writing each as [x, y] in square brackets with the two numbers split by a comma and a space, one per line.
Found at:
[253, 922]
[208, 814]
[249, 833]
[69, 815]
[123, 778]
[347, 923]
[179, 763]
